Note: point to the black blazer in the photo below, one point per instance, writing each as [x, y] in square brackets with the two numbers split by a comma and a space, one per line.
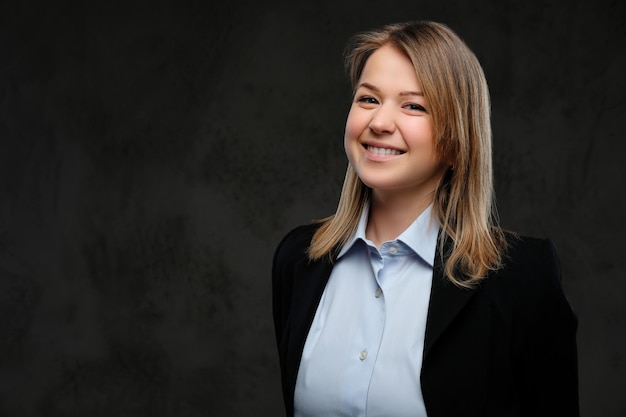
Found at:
[504, 348]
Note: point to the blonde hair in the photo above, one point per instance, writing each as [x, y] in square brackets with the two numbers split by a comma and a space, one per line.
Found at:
[454, 85]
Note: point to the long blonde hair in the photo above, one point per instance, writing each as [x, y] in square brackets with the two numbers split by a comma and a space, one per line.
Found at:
[454, 85]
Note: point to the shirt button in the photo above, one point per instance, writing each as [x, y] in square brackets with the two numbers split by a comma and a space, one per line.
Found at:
[393, 250]
[363, 355]
[378, 292]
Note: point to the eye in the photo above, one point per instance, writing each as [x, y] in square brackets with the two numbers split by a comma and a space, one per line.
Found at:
[415, 107]
[367, 100]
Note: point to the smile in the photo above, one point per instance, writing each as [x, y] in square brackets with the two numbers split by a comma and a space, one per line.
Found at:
[383, 151]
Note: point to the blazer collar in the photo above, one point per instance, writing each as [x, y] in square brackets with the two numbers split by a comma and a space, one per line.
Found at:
[446, 302]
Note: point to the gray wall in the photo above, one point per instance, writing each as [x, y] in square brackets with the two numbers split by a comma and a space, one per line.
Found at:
[152, 156]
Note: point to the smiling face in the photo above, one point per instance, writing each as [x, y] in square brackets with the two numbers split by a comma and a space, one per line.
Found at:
[389, 130]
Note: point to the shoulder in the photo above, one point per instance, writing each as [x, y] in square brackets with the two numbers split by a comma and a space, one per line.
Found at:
[293, 246]
[531, 275]
[531, 260]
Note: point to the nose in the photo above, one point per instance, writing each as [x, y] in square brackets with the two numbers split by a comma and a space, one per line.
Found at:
[383, 121]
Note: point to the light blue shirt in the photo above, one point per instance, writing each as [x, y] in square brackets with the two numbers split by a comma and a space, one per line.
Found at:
[363, 353]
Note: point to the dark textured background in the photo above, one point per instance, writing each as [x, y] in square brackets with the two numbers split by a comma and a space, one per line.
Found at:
[153, 154]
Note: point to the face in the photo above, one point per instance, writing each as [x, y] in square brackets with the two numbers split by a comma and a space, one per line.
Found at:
[389, 131]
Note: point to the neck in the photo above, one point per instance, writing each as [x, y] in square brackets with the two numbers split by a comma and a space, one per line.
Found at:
[391, 213]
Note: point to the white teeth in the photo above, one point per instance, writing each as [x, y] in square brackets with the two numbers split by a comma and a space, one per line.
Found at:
[383, 151]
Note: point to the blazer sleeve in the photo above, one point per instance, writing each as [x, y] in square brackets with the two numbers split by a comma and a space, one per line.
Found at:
[547, 342]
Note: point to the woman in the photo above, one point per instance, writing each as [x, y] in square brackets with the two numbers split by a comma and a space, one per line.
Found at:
[411, 300]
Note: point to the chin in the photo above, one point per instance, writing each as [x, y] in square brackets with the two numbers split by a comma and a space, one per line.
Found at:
[380, 185]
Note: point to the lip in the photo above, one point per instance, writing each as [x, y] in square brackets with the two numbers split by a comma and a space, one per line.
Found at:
[378, 157]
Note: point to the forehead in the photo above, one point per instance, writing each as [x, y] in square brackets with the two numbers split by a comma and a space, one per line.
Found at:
[391, 66]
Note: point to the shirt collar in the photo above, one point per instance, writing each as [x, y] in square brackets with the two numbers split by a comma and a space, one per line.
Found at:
[420, 236]
[359, 234]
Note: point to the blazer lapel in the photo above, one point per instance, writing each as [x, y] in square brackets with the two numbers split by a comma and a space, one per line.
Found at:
[446, 301]
[310, 279]
[309, 283]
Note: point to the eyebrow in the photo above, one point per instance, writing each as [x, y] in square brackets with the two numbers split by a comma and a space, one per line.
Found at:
[402, 93]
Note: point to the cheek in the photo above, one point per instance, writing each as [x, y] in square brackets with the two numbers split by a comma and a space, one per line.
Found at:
[355, 124]
[418, 134]
[347, 141]
[352, 133]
